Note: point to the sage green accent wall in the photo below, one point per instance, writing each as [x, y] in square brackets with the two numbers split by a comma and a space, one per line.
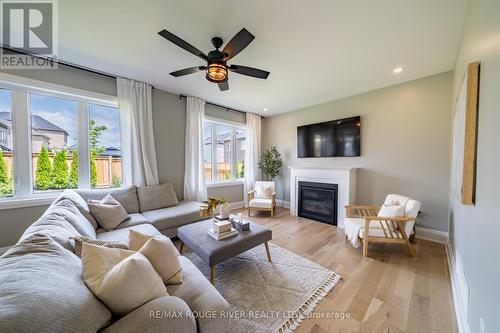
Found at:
[475, 230]
[405, 143]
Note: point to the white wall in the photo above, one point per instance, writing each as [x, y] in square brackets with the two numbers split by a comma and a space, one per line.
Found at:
[475, 230]
[405, 143]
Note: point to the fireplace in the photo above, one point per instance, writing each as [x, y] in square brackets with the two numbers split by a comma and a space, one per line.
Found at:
[318, 201]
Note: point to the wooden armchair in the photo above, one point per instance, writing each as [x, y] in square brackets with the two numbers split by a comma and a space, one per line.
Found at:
[263, 197]
[364, 223]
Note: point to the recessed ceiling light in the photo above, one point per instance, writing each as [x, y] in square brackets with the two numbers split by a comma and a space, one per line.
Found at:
[265, 109]
[398, 70]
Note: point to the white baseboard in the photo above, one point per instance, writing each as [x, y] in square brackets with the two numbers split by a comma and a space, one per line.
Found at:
[432, 235]
[284, 204]
[460, 292]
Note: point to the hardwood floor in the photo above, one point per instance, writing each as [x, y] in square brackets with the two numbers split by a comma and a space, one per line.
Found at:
[385, 292]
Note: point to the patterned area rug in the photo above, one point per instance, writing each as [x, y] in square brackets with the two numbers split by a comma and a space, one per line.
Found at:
[269, 297]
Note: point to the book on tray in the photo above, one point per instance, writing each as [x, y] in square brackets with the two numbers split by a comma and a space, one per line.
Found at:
[224, 235]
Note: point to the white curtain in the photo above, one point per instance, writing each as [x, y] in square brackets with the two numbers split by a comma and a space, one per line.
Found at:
[194, 169]
[252, 153]
[136, 127]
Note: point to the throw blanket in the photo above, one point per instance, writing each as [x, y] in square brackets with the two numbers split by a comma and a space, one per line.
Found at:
[352, 231]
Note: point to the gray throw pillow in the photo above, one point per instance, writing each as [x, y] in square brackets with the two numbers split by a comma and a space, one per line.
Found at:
[156, 197]
[108, 212]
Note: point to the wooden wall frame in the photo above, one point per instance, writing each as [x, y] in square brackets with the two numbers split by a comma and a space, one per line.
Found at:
[468, 192]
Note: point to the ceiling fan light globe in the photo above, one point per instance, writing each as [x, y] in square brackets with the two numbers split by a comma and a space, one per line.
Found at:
[217, 73]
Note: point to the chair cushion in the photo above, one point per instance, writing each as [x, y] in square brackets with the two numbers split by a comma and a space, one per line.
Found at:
[261, 203]
[263, 190]
[108, 212]
[134, 219]
[185, 212]
[79, 202]
[156, 197]
[126, 196]
[375, 228]
[41, 290]
[122, 234]
[121, 279]
[199, 294]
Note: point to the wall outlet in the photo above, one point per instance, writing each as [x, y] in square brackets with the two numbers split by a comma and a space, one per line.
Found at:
[481, 325]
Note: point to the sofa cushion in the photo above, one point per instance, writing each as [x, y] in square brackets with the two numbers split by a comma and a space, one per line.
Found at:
[156, 197]
[53, 224]
[185, 212]
[126, 196]
[199, 294]
[66, 210]
[79, 202]
[122, 234]
[134, 219]
[108, 212]
[41, 290]
[121, 279]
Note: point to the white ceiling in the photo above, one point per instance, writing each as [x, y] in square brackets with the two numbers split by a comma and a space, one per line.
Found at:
[316, 51]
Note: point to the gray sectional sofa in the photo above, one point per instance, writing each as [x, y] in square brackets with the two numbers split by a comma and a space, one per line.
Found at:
[41, 285]
[166, 220]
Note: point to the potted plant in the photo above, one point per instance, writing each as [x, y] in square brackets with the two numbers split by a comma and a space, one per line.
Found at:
[270, 162]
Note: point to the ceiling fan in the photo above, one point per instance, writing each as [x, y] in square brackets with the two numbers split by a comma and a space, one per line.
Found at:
[217, 68]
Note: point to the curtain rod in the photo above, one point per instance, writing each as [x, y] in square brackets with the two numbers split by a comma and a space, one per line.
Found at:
[218, 106]
[64, 63]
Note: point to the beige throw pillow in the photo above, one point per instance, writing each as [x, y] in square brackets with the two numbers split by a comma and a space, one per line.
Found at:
[263, 191]
[156, 197]
[391, 211]
[161, 252]
[121, 279]
[108, 212]
[79, 240]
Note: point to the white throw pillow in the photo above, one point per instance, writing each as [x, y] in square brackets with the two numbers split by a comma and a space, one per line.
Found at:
[121, 279]
[263, 191]
[161, 253]
[108, 212]
[391, 211]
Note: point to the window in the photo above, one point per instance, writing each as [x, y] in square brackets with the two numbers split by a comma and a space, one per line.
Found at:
[105, 146]
[224, 151]
[54, 140]
[6, 147]
[61, 123]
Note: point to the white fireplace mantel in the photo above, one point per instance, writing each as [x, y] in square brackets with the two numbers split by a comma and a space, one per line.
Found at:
[345, 178]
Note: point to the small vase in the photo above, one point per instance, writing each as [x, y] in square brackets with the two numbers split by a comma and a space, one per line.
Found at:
[225, 210]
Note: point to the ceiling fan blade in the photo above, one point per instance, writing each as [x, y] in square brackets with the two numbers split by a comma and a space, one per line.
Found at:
[187, 71]
[224, 86]
[237, 44]
[182, 44]
[249, 71]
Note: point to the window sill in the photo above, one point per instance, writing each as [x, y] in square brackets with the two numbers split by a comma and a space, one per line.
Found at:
[12, 203]
[225, 183]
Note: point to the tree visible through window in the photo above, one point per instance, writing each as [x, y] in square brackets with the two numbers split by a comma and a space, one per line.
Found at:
[6, 147]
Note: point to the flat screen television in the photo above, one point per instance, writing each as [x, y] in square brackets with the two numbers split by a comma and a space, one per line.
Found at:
[330, 139]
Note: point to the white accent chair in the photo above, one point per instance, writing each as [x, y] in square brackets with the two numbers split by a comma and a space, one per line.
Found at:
[263, 197]
[385, 229]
